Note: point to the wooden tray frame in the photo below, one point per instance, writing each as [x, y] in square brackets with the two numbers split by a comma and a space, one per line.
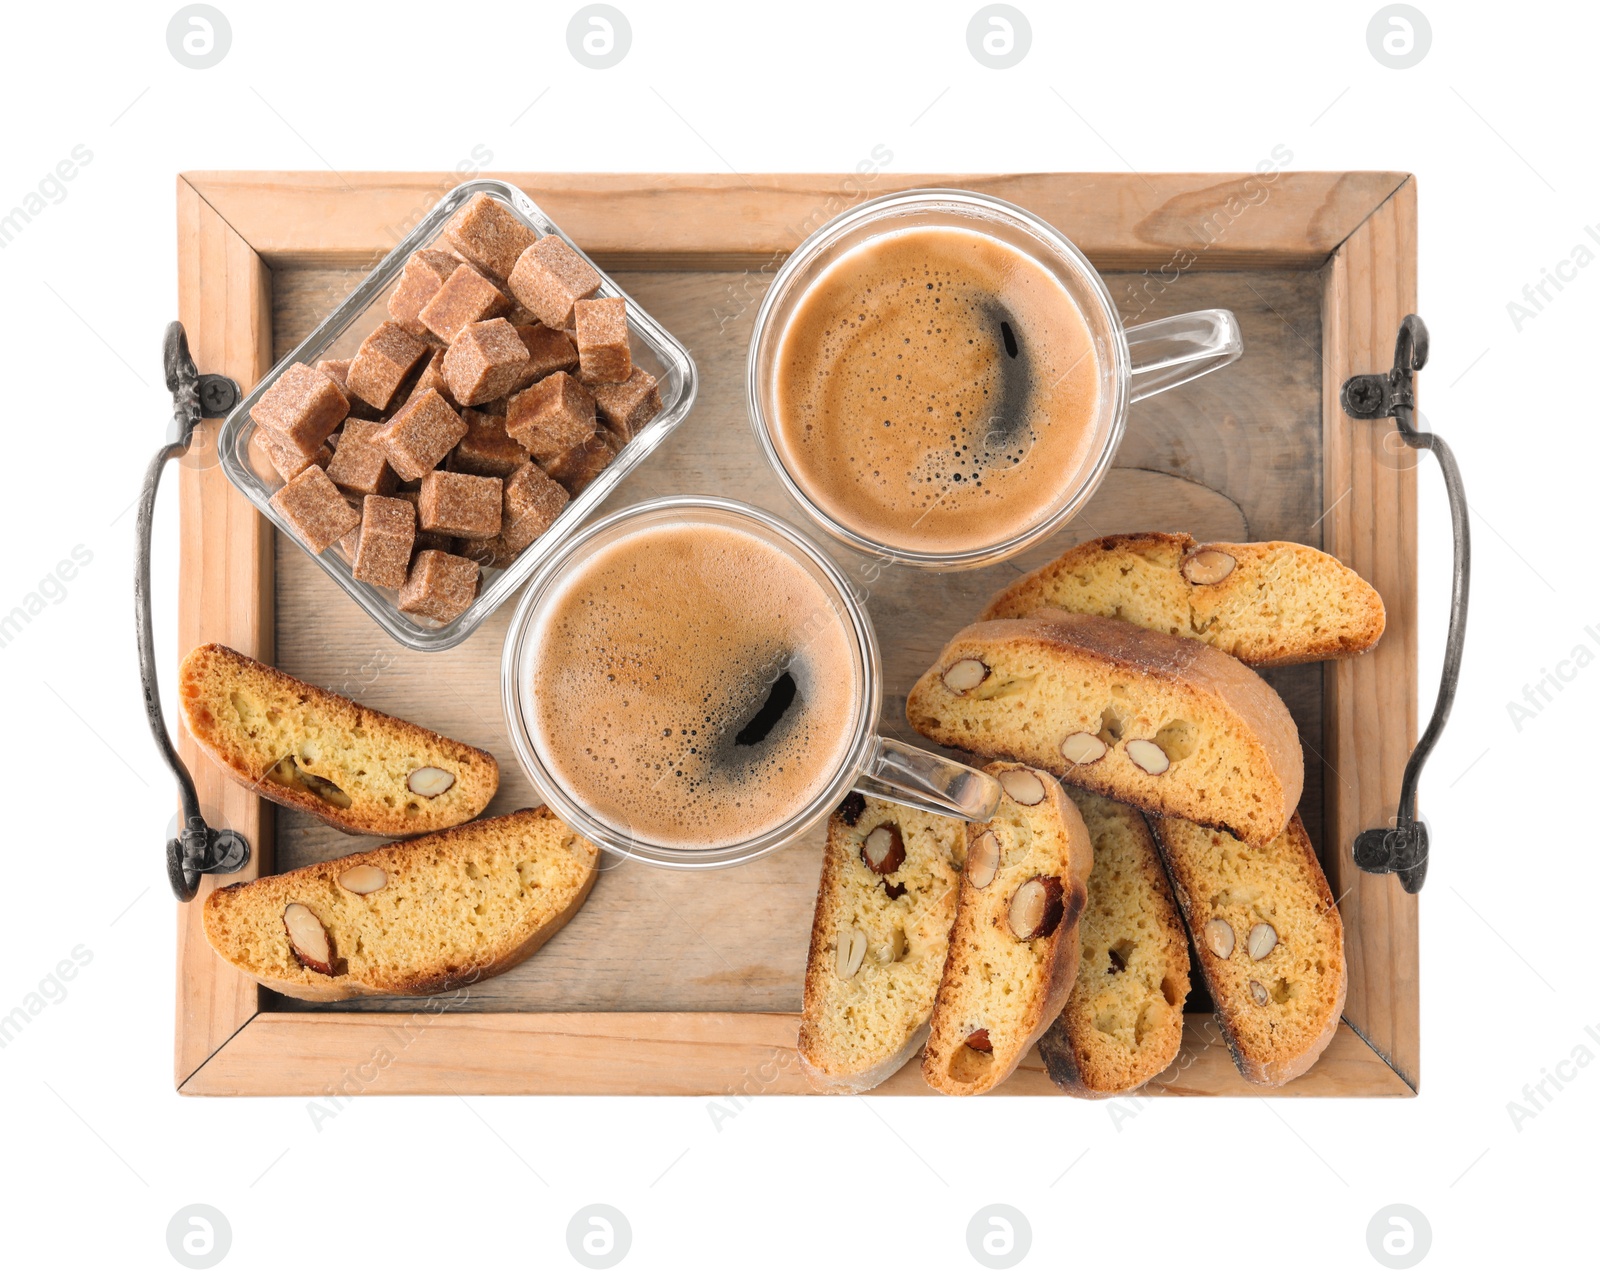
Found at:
[1358, 229]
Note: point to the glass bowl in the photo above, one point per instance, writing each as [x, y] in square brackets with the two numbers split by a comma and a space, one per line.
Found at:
[339, 335]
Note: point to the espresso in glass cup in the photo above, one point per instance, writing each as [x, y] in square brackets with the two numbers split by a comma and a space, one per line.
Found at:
[692, 682]
[941, 378]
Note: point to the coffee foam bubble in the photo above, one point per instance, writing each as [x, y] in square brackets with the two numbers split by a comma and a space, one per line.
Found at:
[693, 685]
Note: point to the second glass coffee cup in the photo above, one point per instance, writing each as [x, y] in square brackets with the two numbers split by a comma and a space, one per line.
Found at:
[692, 682]
[933, 297]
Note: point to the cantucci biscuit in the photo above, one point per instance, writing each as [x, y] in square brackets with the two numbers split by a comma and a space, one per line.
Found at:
[1123, 1024]
[1269, 939]
[1014, 947]
[304, 747]
[1274, 602]
[1160, 722]
[890, 875]
[412, 918]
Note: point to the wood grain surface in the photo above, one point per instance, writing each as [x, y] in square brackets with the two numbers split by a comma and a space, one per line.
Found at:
[225, 592]
[1372, 702]
[706, 221]
[737, 1056]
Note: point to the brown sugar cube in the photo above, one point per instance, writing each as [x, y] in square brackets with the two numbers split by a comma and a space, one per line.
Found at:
[338, 371]
[493, 553]
[577, 468]
[304, 406]
[383, 362]
[432, 378]
[460, 505]
[421, 435]
[359, 463]
[549, 277]
[284, 457]
[489, 235]
[424, 274]
[602, 326]
[549, 350]
[551, 416]
[485, 361]
[466, 297]
[439, 586]
[350, 542]
[531, 502]
[425, 539]
[629, 407]
[383, 554]
[314, 509]
[487, 449]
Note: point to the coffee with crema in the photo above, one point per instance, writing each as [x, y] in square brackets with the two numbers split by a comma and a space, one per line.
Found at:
[693, 686]
[935, 390]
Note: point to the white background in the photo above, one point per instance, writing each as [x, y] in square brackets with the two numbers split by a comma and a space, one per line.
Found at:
[1497, 121]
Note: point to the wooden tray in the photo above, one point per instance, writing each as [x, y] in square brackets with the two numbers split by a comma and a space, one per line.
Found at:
[675, 983]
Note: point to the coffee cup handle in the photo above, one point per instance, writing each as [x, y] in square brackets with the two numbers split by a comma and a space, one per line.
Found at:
[1169, 352]
[914, 777]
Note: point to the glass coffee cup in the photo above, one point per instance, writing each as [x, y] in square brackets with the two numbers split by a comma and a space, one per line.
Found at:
[680, 719]
[1115, 367]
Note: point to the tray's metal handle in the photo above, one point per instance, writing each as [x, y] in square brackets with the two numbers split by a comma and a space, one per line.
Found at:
[197, 848]
[1403, 848]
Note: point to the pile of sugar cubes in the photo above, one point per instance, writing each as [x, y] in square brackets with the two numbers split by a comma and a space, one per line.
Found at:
[497, 390]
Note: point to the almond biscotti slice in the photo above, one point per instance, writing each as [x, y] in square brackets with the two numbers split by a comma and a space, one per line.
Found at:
[1014, 947]
[1269, 939]
[1274, 602]
[890, 876]
[1123, 1023]
[350, 766]
[1163, 723]
[412, 918]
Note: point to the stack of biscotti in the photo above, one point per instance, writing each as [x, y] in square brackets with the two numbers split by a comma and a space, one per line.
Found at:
[411, 918]
[1123, 1023]
[890, 875]
[301, 746]
[1121, 667]
[1013, 951]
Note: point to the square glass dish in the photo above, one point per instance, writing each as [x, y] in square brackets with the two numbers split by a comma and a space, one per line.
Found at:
[341, 333]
